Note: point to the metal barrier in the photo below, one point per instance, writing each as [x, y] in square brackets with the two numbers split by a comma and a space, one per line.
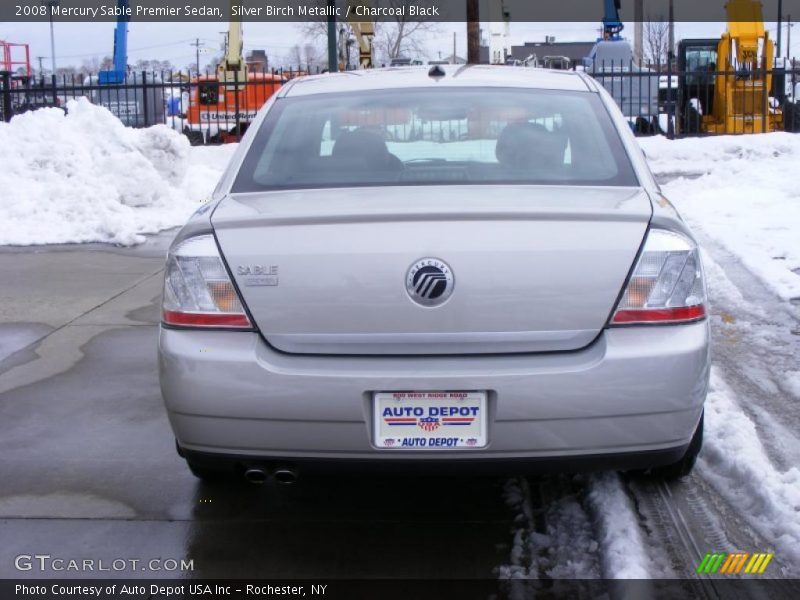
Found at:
[660, 99]
[656, 99]
[635, 90]
[204, 108]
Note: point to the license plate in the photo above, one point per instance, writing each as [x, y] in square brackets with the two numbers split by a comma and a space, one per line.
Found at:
[429, 420]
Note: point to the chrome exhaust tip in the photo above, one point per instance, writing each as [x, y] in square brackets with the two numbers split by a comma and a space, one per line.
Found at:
[256, 475]
[285, 476]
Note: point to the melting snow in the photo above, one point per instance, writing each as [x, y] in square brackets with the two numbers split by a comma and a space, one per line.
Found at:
[735, 462]
[742, 191]
[84, 177]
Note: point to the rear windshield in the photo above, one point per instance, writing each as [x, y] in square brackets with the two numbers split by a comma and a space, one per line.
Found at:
[436, 137]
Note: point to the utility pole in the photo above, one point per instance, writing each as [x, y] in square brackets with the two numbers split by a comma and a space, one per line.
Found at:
[41, 68]
[197, 45]
[671, 32]
[333, 63]
[778, 41]
[638, 34]
[51, 4]
[473, 33]
[789, 26]
[671, 108]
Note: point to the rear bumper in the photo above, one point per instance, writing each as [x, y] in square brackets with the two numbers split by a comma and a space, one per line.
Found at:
[631, 399]
[433, 466]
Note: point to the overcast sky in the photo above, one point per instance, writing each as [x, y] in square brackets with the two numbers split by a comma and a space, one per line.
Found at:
[76, 42]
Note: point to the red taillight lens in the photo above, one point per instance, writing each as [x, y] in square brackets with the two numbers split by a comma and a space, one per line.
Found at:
[667, 284]
[197, 289]
[172, 317]
[661, 315]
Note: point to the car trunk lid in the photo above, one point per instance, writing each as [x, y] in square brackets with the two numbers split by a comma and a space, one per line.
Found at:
[534, 268]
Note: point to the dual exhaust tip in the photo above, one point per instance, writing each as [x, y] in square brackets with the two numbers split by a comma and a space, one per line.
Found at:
[258, 475]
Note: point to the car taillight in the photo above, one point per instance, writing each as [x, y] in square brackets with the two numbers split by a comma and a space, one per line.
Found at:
[197, 289]
[667, 284]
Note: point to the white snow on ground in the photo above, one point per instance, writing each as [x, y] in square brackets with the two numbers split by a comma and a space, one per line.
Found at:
[591, 530]
[743, 192]
[624, 553]
[84, 177]
[565, 550]
[735, 462]
[793, 382]
[720, 286]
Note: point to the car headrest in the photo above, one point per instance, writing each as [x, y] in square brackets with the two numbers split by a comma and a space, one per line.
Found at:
[360, 144]
[530, 145]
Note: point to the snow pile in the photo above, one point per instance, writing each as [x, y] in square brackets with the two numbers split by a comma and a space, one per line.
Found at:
[85, 177]
[742, 191]
[735, 462]
[624, 552]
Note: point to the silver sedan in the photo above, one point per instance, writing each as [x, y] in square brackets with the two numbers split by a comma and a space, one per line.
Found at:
[460, 269]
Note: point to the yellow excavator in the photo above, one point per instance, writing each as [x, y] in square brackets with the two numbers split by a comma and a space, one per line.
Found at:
[364, 32]
[725, 85]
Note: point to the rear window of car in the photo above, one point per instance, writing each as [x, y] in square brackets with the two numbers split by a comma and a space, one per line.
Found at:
[436, 137]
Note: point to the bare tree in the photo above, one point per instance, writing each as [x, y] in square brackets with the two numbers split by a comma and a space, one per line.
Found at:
[212, 63]
[314, 57]
[209, 67]
[91, 65]
[153, 65]
[315, 29]
[66, 71]
[656, 41]
[305, 56]
[401, 37]
[95, 64]
[395, 37]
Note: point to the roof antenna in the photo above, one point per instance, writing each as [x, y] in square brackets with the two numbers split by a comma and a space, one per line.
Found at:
[437, 72]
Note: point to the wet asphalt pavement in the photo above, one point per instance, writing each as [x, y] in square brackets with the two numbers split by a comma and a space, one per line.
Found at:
[89, 469]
